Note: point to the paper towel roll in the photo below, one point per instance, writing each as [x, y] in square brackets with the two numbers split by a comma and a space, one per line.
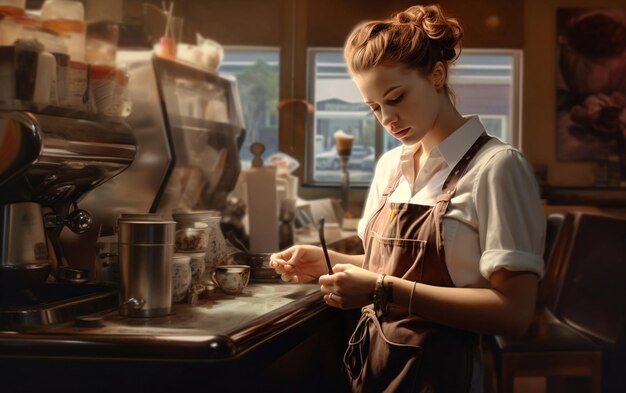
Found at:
[262, 209]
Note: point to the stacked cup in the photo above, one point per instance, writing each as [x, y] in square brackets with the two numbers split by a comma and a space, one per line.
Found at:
[190, 244]
[181, 276]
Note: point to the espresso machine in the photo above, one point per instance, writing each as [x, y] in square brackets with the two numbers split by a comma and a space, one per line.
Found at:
[50, 158]
[177, 150]
[189, 128]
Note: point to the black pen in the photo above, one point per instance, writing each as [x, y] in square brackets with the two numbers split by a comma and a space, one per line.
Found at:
[323, 243]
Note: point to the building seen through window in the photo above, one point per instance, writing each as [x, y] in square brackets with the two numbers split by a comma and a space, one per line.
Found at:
[257, 74]
[484, 83]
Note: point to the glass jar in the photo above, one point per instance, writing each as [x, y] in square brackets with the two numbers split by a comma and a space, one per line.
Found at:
[67, 18]
[26, 58]
[101, 43]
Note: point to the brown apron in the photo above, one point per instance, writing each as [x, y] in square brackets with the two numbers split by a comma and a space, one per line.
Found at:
[401, 352]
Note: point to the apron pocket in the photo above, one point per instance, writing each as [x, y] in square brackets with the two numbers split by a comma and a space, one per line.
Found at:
[407, 254]
[391, 366]
[407, 355]
[377, 364]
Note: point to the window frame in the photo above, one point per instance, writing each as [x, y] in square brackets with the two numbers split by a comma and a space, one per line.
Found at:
[309, 173]
[513, 125]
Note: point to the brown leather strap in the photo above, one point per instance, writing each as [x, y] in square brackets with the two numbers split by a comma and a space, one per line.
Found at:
[390, 188]
[449, 186]
[459, 169]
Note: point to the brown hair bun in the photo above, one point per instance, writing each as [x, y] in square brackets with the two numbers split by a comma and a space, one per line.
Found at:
[417, 37]
[444, 32]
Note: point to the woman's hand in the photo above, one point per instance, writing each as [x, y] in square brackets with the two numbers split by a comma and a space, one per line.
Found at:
[351, 286]
[299, 263]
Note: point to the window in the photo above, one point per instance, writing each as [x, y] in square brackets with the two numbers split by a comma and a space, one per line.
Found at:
[485, 82]
[339, 106]
[257, 73]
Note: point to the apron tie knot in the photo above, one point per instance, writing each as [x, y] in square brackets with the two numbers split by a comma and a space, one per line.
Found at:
[356, 355]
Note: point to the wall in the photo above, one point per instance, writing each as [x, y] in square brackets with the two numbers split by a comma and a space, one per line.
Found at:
[495, 24]
[296, 24]
[538, 100]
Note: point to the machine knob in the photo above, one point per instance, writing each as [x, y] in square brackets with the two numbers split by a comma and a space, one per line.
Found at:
[79, 221]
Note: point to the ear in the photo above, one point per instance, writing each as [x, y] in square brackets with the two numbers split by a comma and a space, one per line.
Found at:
[438, 75]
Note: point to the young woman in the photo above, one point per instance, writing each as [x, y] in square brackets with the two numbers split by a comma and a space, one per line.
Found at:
[453, 229]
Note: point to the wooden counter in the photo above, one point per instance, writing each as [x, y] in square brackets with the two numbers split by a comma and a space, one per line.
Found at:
[270, 337]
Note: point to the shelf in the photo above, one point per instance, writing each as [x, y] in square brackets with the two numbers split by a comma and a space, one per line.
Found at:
[52, 110]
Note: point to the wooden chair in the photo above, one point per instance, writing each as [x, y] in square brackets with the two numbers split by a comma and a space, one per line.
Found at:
[581, 308]
[593, 296]
[559, 228]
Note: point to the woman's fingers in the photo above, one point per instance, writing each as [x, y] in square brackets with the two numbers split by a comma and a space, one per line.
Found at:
[295, 256]
[281, 266]
[328, 280]
[276, 259]
[331, 299]
[289, 277]
[341, 267]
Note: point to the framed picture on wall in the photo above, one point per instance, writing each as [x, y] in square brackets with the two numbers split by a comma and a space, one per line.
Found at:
[591, 84]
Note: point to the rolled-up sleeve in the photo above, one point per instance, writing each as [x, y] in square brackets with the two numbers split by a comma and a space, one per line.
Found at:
[511, 221]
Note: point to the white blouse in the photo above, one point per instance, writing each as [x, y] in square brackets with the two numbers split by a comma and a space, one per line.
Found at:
[494, 220]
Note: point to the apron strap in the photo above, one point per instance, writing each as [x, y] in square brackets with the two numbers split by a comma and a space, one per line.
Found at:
[443, 200]
[389, 189]
[449, 186]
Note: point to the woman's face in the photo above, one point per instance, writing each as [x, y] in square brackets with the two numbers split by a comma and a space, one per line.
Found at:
[404, 101]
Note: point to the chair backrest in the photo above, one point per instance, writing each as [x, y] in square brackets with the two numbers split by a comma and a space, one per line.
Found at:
[593, 293]
[558, 237]
[554, 224]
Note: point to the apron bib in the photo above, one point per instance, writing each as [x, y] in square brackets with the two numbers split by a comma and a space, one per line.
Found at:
[401, 352]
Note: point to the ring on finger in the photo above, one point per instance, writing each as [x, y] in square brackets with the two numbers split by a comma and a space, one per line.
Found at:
[330, 296]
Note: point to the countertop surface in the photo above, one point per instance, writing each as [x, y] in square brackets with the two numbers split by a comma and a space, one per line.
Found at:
[218, 328]
[221, 315]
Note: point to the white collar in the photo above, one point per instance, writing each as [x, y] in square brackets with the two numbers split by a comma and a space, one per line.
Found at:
[458, 143]
[453, 147]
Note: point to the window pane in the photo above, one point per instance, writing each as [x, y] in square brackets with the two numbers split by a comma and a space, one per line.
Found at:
[483, 82]
[483, 85]
[257, 74]
[339, 106]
